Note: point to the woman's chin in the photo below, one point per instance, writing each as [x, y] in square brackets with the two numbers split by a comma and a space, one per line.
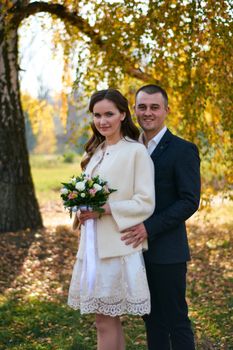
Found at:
[105, 133]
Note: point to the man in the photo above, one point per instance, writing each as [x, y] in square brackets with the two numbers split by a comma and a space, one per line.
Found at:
[177, 187]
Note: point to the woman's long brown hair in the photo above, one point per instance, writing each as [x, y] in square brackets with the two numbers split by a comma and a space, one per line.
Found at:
[128, 128]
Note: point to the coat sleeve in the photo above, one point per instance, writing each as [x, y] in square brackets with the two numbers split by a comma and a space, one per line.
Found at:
[140, 206]
[187, 183]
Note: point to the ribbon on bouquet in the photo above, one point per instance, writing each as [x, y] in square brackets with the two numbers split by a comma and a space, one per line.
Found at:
[89, 259]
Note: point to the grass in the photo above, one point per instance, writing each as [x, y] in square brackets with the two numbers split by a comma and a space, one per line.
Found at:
[43, 325]
[39, 325]
[48, 172]
[36, 269]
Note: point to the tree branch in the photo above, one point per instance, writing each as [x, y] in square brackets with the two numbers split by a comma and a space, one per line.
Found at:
[77, 21]
[61, 12]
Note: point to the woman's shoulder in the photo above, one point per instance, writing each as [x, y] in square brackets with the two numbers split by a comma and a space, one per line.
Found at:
[136, 147]
[132, 144]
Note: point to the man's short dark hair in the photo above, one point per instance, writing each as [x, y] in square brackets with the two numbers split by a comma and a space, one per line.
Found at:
[153, 89]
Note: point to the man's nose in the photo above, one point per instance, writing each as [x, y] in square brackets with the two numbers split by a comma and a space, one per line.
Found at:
[147, 111]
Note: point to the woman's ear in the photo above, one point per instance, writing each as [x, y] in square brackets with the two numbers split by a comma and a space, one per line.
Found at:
[123, 114]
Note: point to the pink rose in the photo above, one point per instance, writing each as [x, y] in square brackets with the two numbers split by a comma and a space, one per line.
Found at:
[72, 195]
[92, 191]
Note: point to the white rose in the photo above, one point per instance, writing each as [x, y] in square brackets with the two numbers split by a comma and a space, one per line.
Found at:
[64, 190]
[80, 186]
[97, 187]
[82, 195]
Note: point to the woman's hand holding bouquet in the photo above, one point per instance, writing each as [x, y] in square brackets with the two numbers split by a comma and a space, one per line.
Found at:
[88, 194]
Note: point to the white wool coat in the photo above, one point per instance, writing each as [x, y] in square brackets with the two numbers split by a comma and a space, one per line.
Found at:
[128, 168]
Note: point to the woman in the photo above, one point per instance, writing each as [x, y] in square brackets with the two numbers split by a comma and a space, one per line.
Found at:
[120, 285]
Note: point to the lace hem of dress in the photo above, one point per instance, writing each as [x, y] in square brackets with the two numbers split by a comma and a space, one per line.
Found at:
[109, 306]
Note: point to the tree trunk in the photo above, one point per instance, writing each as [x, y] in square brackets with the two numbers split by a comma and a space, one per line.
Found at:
[18, 205]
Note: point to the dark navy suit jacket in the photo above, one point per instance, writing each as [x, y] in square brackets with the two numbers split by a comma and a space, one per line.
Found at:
[177, 188]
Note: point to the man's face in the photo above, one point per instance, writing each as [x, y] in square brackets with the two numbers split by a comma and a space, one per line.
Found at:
[151, 112]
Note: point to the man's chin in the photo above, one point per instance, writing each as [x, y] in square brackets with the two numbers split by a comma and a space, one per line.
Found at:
[147, 128]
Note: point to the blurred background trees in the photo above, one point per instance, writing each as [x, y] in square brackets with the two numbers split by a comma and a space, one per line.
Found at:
[185, 46]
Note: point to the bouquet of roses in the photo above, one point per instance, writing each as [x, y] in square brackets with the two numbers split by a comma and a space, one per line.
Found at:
[85, 191]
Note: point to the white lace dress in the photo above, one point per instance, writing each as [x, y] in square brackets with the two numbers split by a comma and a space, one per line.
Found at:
[120, 287]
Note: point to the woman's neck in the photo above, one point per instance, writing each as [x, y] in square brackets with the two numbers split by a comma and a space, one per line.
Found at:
[112, 140]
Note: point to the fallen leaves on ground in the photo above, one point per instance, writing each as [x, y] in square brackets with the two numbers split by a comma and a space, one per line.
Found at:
[37, 266]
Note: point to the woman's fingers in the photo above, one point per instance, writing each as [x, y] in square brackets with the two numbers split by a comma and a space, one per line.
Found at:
[88, 215]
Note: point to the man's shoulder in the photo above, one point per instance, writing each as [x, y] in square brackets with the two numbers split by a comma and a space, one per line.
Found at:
[181, 142]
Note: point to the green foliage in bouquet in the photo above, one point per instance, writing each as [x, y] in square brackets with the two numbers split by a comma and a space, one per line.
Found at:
[84, 190]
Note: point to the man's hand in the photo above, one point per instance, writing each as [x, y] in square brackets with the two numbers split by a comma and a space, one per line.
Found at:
[134, 235]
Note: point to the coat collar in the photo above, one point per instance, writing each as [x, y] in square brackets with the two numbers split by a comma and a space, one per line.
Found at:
[98, 154]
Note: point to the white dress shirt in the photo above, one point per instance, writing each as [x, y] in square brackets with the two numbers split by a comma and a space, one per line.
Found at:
[152, 144]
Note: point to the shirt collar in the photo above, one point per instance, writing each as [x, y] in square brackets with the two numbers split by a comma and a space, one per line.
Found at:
[156, 139]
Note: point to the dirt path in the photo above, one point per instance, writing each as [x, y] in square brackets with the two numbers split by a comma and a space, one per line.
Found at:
[54, 214]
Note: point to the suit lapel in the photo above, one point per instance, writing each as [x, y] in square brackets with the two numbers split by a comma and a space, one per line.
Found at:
[162, 145]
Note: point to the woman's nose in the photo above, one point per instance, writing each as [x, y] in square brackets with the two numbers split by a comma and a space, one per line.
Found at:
[102, 121]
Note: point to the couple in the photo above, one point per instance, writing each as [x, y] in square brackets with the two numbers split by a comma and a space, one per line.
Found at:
[162, 168]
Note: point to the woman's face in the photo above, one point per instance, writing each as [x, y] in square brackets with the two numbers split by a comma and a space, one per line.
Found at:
[107, 119]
